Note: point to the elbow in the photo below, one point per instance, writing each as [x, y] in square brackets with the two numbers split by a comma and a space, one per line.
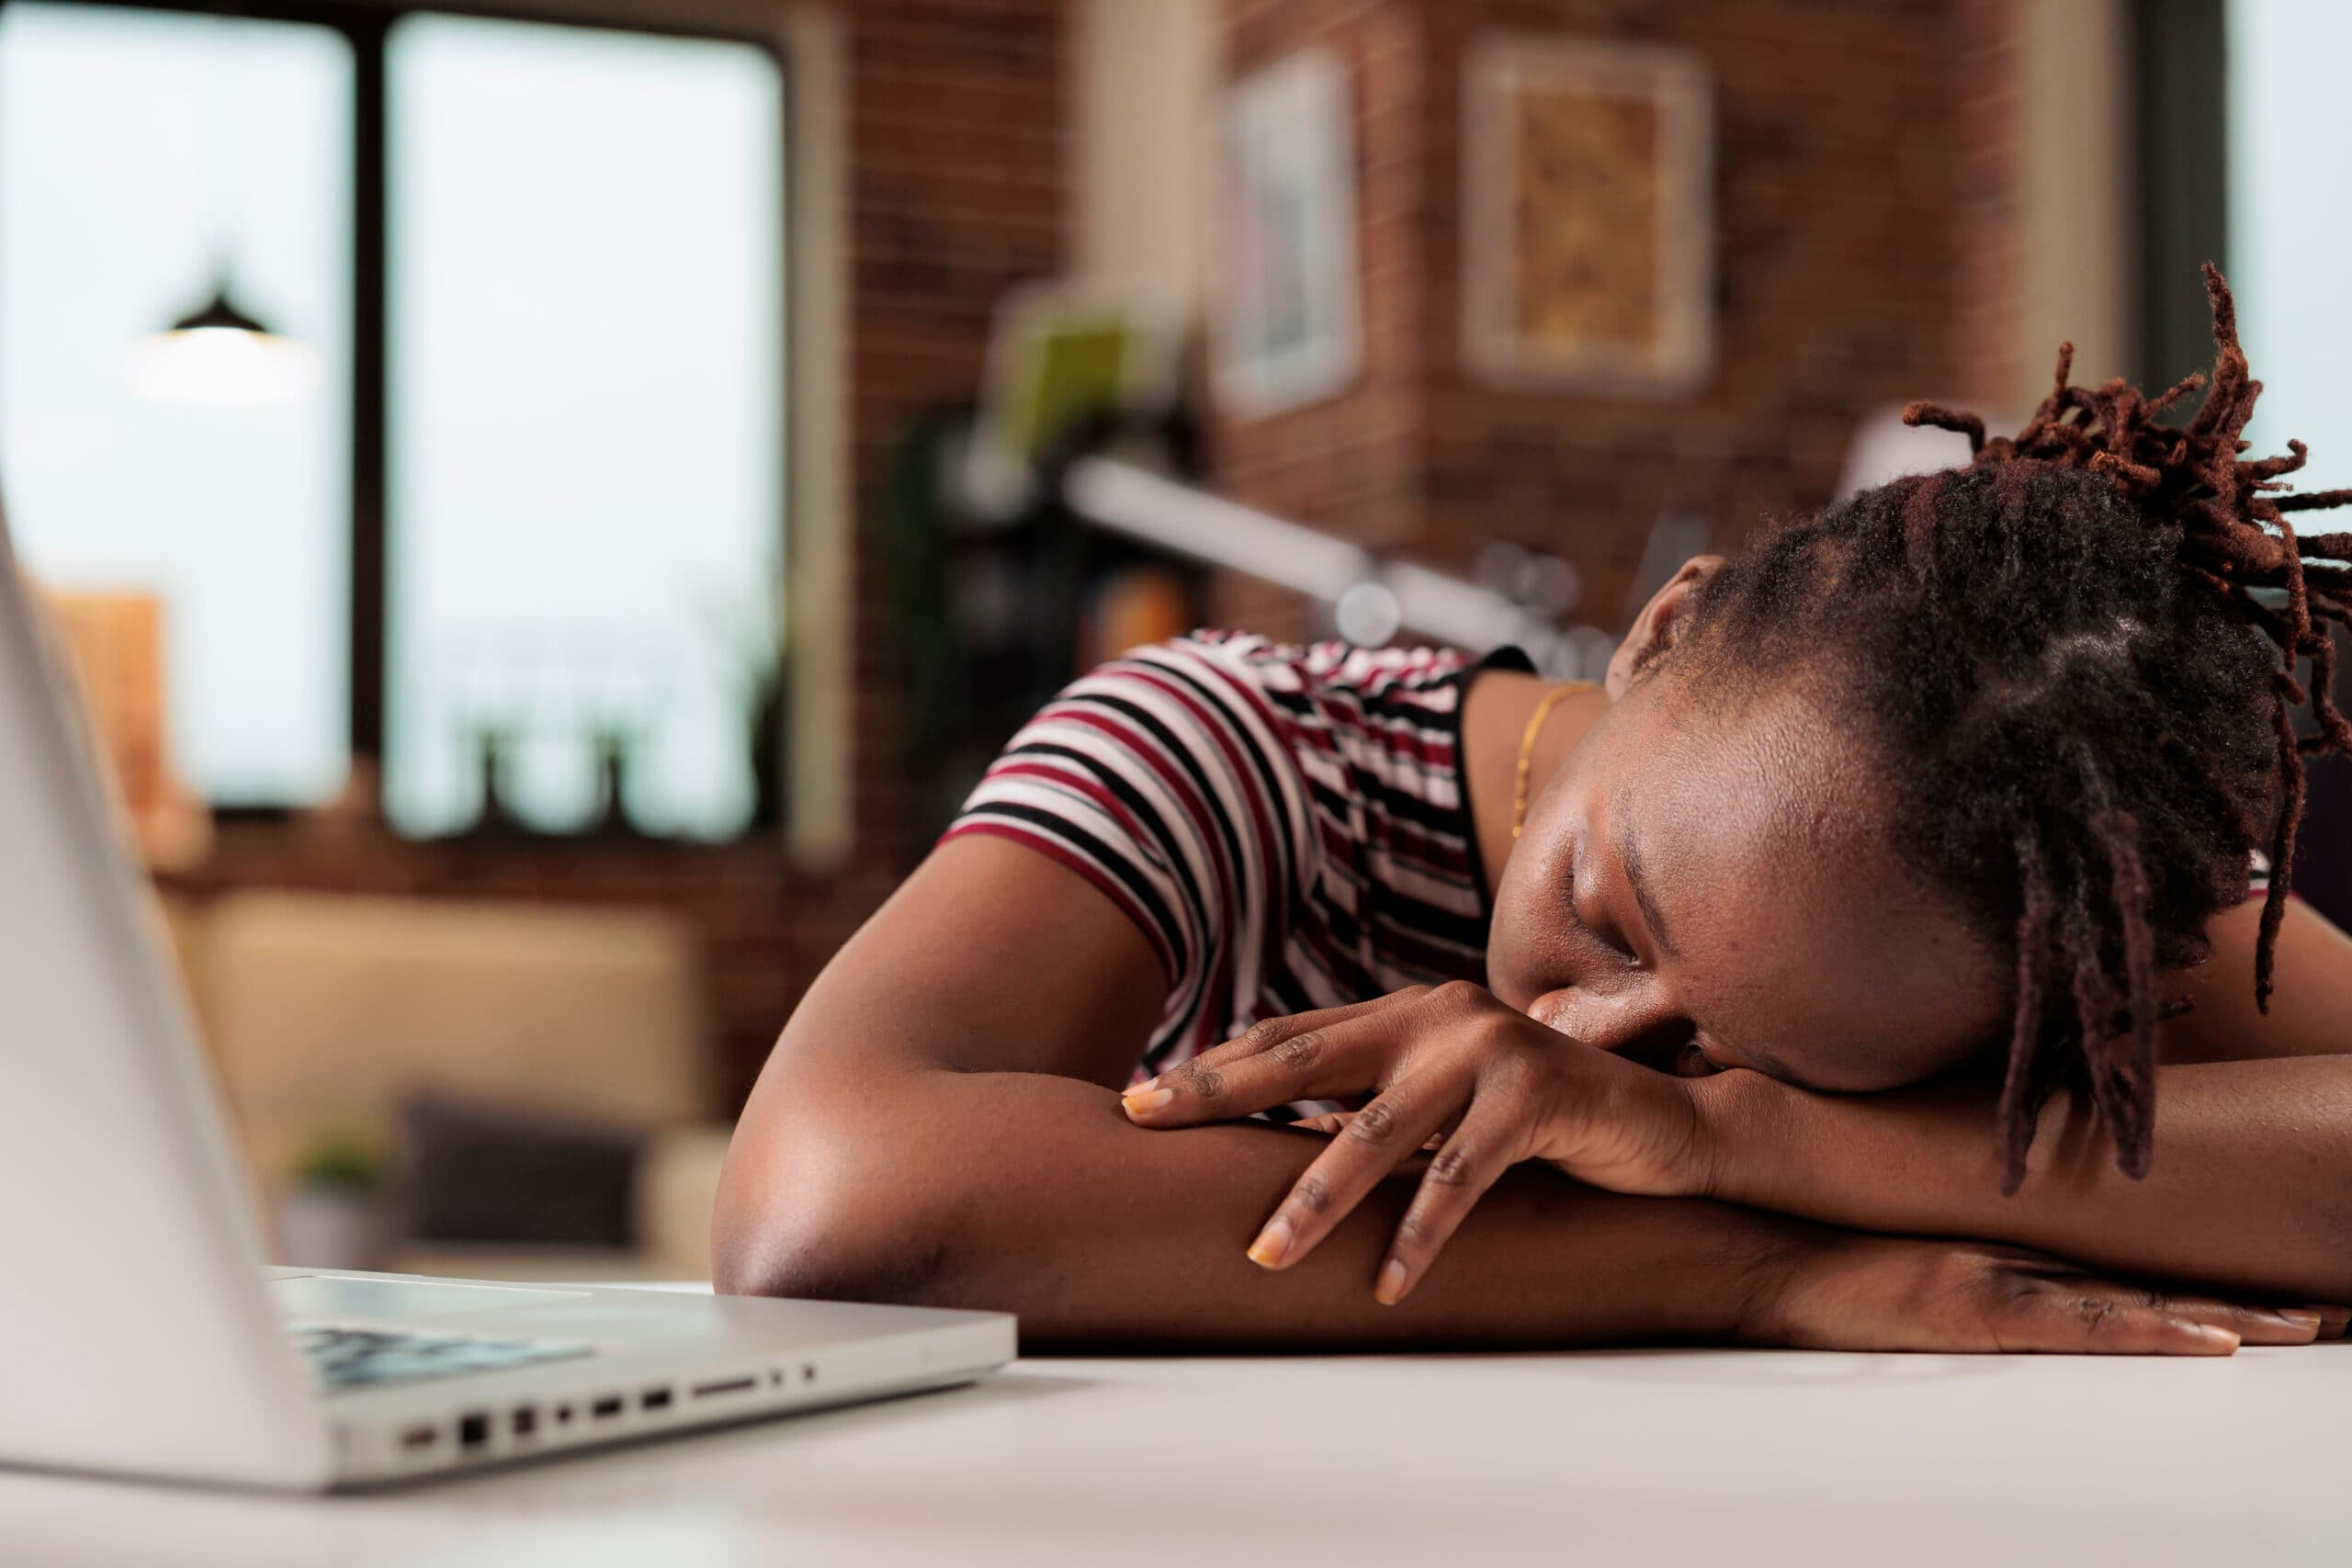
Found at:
[820, 1253]
[838, 1220]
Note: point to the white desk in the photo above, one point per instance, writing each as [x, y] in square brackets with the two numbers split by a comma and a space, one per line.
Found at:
[1720, 1457]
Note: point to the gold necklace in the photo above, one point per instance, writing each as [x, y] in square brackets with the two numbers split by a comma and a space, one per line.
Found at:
[1526, 750]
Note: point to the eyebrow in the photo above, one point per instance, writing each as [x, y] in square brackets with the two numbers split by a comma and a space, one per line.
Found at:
[1629, 855]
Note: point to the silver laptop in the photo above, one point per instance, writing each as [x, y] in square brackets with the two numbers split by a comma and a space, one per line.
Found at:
[139, 1332]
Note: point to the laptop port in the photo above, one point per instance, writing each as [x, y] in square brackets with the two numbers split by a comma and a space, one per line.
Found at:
[473, 1429]
[654, 1399]
[607, 1407]
[727, 1385]
[417, 1438]
[563, 1415]
[526, 1421]
[808, 1371]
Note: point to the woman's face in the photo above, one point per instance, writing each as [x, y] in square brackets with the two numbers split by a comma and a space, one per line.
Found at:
[1704, 885]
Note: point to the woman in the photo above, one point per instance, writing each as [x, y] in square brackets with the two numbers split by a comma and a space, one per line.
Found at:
[1924, 820]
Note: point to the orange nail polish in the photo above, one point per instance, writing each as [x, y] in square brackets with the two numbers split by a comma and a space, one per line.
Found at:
[1273, 1244]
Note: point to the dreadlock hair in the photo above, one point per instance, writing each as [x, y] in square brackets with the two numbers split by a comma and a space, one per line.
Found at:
[2077, 658]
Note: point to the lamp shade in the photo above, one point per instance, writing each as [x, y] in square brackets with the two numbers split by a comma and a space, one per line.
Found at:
[220, 354]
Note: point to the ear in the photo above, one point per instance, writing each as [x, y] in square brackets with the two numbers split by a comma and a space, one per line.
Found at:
[1659, 622]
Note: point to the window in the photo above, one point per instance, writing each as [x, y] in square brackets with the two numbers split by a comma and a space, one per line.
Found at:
[567, 347]
[586, 385]
[141, 155]
[2289, 133]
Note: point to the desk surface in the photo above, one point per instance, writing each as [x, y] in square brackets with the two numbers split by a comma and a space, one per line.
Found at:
[1647, 1457]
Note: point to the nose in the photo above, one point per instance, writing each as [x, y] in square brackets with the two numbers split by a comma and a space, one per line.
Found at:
[1641, 1021]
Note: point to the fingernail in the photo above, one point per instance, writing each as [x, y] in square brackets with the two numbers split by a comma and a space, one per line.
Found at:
[2299, 1317]
[1143, 1100]
[1273, 1244]
[2219, 1338]
[1389, 1289]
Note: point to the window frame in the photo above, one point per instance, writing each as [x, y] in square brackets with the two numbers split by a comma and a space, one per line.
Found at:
[366, 24]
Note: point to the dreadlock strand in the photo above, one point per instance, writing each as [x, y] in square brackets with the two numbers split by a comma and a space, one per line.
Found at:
[2094, 995]
[2120, 836]
[2020, 1107]
[2316, 501]
[2282, 854]
[1942, 418]
[2164, 401]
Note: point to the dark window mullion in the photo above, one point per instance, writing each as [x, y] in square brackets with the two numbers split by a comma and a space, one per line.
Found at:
[369, 394]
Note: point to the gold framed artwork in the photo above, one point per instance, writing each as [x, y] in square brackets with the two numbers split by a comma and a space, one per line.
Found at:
[1588, 245]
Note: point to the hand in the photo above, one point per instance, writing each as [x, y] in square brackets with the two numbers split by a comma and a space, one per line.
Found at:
[1865, 1293]
[1454, 1065]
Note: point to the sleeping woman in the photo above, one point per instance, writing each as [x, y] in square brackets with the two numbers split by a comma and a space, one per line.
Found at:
[1883, 959]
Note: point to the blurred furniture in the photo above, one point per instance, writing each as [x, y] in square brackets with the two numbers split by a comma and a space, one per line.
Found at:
[115, 644]
[329, 1012]
[1765, 1459]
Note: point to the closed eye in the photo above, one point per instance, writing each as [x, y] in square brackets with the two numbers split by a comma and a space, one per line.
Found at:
[1692, 1062]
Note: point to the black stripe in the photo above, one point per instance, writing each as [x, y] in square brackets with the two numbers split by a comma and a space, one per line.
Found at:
[1210, 801]
[1125, 792]
[1220, 701]
[1436, 821]
[1138, 803]
[1215, 934]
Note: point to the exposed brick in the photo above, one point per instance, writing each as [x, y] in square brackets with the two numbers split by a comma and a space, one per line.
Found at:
[1859, 255]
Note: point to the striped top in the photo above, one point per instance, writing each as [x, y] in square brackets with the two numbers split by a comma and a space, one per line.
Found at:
[1288, 827]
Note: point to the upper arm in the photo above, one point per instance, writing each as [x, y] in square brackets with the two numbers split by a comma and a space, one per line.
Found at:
[989, 958]
[2309, 999]
[1087, 899]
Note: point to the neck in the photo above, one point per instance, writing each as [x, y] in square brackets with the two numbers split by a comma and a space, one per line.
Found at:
[1494, 721]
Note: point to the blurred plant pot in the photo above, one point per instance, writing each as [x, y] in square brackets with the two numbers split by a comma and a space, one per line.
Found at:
[325, 1228]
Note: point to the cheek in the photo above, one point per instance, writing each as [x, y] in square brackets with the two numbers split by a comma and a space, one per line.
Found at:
[1521, 959]
[1509, 971]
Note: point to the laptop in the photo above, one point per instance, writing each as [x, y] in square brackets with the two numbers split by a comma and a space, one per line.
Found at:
[140, 1331]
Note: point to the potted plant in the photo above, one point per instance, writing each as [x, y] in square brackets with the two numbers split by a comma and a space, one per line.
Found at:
[335, 1211]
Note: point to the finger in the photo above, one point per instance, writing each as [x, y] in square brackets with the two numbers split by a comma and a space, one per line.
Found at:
[2253, 1324]
[1266, 1033]
[1337, 1121]
[1323, 1063]
[1466, 1165]
[2334, 1321]
[1378, 1139]
[2096, 1320]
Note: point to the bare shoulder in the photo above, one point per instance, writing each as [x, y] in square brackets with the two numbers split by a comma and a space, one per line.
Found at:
[2309, 999]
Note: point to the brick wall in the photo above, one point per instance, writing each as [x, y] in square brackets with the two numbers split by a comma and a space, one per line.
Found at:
[1843, 207]
[957, 114]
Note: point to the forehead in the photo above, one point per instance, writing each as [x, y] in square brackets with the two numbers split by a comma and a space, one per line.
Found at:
[1763, 835]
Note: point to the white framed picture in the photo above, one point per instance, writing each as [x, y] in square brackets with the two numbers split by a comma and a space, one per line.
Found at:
[1588, 244]
[1288, 323]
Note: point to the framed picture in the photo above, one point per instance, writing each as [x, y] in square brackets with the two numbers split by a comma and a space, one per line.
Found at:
[1588, 237]
[1288, 328]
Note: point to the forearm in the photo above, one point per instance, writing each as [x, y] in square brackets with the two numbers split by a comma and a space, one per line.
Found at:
[1032, 1194]
[2251, 1185]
